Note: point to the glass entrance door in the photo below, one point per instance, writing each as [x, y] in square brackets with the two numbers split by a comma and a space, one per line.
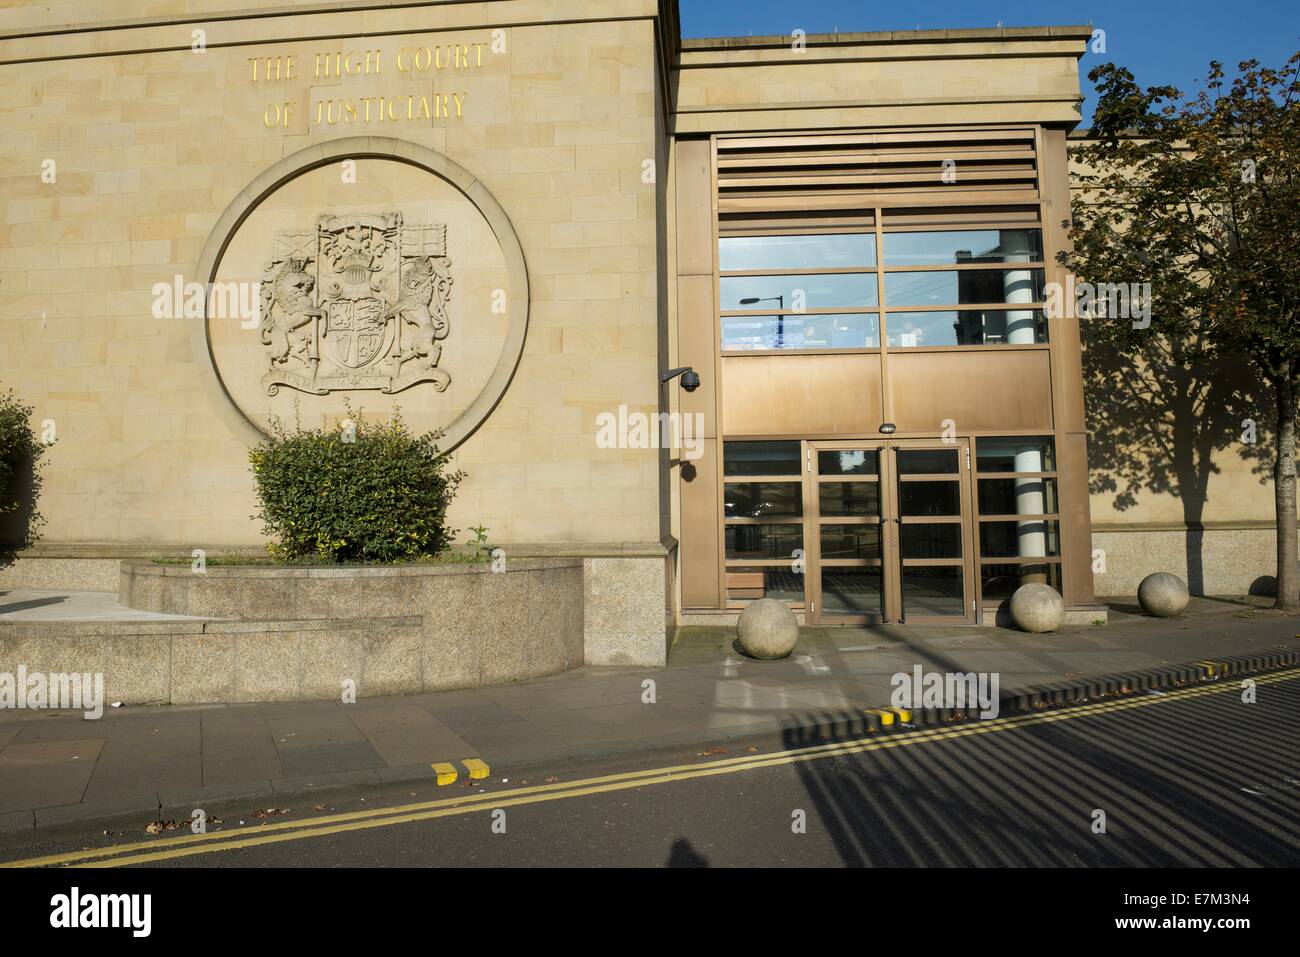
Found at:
[888, 531]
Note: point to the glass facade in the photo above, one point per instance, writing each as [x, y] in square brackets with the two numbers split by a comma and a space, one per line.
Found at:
[779, 293]
[932, 531]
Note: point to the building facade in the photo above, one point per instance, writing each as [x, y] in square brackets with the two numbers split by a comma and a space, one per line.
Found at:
[510, 220]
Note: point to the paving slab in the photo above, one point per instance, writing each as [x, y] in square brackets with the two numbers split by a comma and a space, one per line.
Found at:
[708, 695]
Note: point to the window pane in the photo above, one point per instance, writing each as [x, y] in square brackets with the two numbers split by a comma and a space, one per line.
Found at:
[761, 458]
[815, 291]
[850, 541]
[849, 498]
[1001, 581]
[1003, 496]
[763, 499]
[1030, 453]
[837, 250]
[963, 246]
[851, 591]
[933, 591]
[958, 287]
[927, 461]
[849, 462]
[929, 498]
[1030, 539]
[929, 541]
[852, 331]
[750, 583]
[966, 327]
[763, 541]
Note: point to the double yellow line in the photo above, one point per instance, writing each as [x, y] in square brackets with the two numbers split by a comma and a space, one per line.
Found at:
[149, 852]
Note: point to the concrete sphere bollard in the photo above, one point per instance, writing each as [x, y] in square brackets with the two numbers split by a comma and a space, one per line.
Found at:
[1037, 608]
[1162, 595]
[767, 629]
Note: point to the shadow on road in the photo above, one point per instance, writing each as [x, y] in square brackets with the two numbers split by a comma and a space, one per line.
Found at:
[1194, 782]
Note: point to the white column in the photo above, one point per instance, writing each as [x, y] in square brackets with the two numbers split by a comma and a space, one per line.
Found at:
[1018, 285]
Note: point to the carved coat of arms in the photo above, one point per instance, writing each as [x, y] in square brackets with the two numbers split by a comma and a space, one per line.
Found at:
[360, 303]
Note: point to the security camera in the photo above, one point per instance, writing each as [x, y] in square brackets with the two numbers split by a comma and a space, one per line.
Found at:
[690, 378]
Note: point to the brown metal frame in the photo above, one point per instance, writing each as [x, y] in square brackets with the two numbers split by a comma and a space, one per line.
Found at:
[891, 212]
[890, 521]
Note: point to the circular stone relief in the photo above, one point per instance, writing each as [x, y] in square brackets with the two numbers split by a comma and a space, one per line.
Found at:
[392, 281]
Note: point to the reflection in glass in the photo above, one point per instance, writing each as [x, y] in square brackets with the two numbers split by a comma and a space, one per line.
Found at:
[957, 287]
[1000, 581]
[962, 246]
[761, 458]
[999, 496]
[818, 291]
[851, 591]
[747, 583]
[849, 498]
[1021, 539]
[827, 250]
[848, 462]
[1032, 537]
[763, 541]
[966, 327]
[933, 591]
[926, 461]
[847, 331]
[929, 498]
[763, 499]
[929, 541]
[850, 541]
[1022, 453]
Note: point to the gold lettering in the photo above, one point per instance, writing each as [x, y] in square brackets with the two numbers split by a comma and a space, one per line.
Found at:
[423, 114]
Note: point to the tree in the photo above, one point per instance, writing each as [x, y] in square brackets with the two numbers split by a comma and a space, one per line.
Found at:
[1199, 198]
[20, 479]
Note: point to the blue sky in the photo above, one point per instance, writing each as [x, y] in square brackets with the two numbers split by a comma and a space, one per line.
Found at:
[1160, 41]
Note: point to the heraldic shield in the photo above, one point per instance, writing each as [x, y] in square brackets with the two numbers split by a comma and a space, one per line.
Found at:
[360, 303]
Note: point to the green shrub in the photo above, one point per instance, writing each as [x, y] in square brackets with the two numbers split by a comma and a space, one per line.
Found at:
[371, 493]
[20, 478]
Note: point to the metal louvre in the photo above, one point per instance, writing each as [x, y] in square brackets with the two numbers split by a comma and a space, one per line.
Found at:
[782, 174]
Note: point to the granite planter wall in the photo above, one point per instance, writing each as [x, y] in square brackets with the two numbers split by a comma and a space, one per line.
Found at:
[470, 626]
[220, 662]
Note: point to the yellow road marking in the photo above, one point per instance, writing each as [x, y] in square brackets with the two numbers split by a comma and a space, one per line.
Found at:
[380, 817]
[446, 772]
[476, 768]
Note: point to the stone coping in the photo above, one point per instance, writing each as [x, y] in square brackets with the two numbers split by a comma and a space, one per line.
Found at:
[143, 567]
[142, 628]
[892, 36]
[127, 550]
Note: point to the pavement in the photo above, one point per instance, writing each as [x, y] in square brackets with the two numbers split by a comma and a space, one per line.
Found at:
[1195, 777]
[147, 763]
[36, 604]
